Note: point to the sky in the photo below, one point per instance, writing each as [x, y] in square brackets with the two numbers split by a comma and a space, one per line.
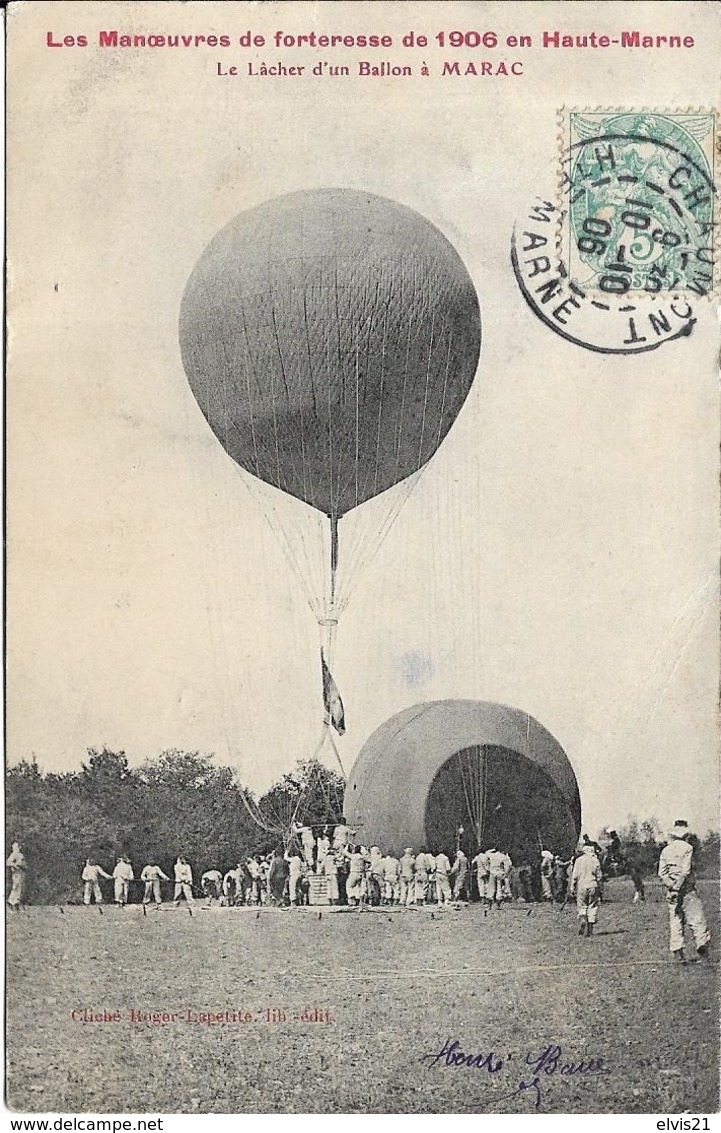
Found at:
[559, 554]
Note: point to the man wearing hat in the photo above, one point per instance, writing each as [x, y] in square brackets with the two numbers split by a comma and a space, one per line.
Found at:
[460, 870]
[91, 885]
[425, 870]
[586, 884]
[546, 874]
[391, 880]
[482, 874]
[123, 875]
[17, 866]
[408, 871]
[675, 868]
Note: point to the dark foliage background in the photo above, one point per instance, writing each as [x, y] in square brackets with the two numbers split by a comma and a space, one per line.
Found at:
[643, 842]
[184, 803]
[179, 803]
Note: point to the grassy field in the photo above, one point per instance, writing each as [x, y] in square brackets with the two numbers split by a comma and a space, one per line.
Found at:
[366, 997]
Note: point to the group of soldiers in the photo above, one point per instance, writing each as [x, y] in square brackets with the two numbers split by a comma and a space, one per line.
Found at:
[246, 883]
[356, 875]
[360, 875]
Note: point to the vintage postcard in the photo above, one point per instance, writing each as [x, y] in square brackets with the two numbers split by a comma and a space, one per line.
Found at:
[362, 431]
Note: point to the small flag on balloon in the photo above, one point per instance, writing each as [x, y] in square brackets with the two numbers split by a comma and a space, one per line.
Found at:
[335, 713]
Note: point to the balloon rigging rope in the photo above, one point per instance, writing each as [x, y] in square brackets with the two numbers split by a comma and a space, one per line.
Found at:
[342, 391]
[357, 417]
[250, 394]
[367, 541]
[403, 397]
[484, 793]
[304, 577]
[271, 375]
[445, 388]
[217, 634]
[279, 531]
[425, 395]
[287, 390]
[380, 397]
[270, 822]
[478, 785]
[333, 502]
[466, 786]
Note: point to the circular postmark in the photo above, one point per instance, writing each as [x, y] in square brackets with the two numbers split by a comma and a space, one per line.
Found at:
[617, 265]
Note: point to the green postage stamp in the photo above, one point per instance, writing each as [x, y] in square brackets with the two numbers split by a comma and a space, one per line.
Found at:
[638, 201]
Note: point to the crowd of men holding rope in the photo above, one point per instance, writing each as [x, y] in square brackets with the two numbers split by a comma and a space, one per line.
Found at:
[357, 876]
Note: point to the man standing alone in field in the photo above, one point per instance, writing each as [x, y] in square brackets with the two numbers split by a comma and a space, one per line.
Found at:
[17, 865]
[675, 868]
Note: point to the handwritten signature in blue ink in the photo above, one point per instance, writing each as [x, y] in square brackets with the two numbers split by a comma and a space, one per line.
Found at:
[544, 1064]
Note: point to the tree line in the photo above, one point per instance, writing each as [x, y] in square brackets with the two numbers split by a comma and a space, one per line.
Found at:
[184, 803]
[642, 845]
[178, 803]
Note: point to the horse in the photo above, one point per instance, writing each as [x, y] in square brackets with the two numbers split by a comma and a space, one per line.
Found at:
[616, 863]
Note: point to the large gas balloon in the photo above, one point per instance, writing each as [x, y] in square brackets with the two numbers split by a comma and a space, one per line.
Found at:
[330, 338]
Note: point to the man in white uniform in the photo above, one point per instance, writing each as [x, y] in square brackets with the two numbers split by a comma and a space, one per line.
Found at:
[18, 867]
[391, 880]
[252, 894]
[355, 884]
[407, 882]
[152, 876]
[123, 875]
[329, 867]
[183, 882]
[507, 868]
[91, 884]
[586, 884]
[482, 873]
[341, 835]
[322, 850]
[425, 867]
[443, 888]
[211, 883]
[376, 876]
[496, 876]
[233, 886]
[307, 839]
[459, 870]
[675, 868]
[547, 875]
[296, 867]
